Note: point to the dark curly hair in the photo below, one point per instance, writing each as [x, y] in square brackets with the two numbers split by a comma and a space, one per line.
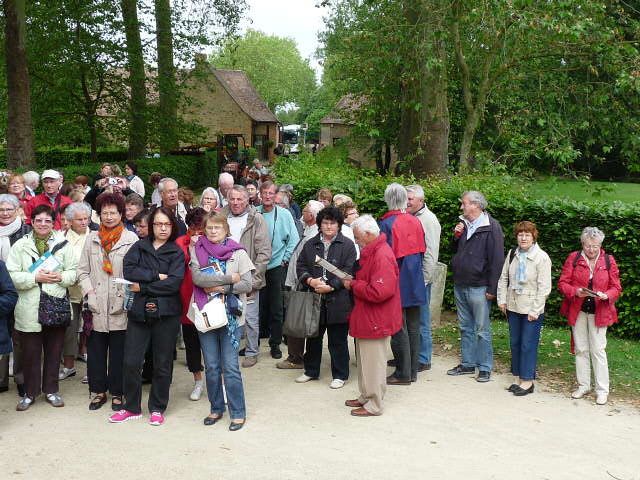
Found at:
[330, 213]
[195, 217]
[115, 199]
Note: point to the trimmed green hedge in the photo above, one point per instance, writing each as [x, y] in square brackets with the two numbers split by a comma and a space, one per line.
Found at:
[559, 222]
[58, 157]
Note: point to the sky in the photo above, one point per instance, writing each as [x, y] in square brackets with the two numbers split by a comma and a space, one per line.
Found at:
[297, 19]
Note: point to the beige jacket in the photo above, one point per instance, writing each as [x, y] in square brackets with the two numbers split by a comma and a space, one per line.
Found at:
[107, 298]
[530, 297]
[76, 243]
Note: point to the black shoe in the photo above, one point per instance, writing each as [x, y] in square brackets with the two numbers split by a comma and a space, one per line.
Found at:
[4, 389]
[275, 353]
[21, 392]
[242, 352]
[235, 426]
[483, 377]
[513, 387]
[392, 363]
[424, 366]
[521, 392]
[393, 380]
[460, 370]
[208, 421]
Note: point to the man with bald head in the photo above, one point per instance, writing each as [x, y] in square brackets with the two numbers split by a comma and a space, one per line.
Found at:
[225, 183]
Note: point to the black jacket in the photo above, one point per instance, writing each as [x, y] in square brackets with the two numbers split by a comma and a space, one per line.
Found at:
[478, 262]
[8, 300]
[342, 254]
[18, 234]
[143, 264]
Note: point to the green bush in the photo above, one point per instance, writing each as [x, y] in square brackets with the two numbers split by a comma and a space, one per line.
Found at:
[559, 221]
[59, 157]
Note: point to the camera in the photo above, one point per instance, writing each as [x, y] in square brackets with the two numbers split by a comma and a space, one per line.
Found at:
[113, 181]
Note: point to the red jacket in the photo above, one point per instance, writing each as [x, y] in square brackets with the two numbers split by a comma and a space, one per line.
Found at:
[42, 199]
[377, 311]
[186, 288]
[606, 281]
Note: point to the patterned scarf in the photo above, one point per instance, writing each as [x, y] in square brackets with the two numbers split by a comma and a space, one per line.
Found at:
[108, 238]
[42, 244]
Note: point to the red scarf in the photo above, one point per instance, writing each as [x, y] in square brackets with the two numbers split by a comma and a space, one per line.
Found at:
[108, 238]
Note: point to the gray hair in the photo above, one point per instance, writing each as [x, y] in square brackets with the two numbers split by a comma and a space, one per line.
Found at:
[286, 187]
[314, 207]
[77, 207]
[31, 177]
[210, 190]
[417, 190]
[395, 196]
[225, 176]
[285, 197]
[163, 182]
[477, 198]
[367, 224]
[340, 198]
[592, 233]
[11, 199]
[241, 189]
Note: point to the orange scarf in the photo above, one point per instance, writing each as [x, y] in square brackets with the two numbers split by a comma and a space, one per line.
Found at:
[108, 238]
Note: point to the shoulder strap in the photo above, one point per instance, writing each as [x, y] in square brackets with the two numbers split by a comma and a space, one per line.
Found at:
[59, 246]
[607, 261]
[576, 258]
[512, 254]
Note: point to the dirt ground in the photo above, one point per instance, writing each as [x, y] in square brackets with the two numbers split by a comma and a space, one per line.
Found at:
[440, 428]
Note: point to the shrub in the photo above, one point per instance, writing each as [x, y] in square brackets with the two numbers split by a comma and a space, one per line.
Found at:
[559, 221]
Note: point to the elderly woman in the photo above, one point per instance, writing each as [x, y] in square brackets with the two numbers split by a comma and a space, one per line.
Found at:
[156, 266]
[78, 216]
[523, 288]
[334, 247]
[405, 236]
[12, 229]
[17, 187]
[376, 315]
[590, 283]
[209, 199]
[194, 222]
[32, 285]
[100, 274]
[220, 346]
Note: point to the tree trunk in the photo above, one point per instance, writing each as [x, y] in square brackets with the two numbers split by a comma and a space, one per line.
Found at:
[168, 110]
[20, 151]
[137, 79]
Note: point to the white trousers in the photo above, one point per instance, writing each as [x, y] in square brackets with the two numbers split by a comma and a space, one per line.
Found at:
[590, 343]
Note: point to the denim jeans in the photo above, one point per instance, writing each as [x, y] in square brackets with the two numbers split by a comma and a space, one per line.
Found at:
[524, 337]
[252, 325]
[475, 327]
[426, 343]
[221, 363]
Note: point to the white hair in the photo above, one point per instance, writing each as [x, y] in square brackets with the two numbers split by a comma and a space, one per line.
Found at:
[210, 190]
[314, 207]
[285, 197]
[11, 199]
[417, 190]
[366, 224]
[76, 207]
[477, 198]
[592, 233]
[31, 177]
[225, 176]
[395, 196]
[165, 180]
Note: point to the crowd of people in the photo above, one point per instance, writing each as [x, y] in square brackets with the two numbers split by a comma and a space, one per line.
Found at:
[90, 272]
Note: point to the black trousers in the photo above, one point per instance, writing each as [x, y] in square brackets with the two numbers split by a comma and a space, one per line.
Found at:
[192, 347]
[41, 353]
[271, 305]
[405, 345]
[163, 334]
[338, 349]
[105, 354]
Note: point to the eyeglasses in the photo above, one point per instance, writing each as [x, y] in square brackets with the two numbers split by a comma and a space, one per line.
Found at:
[109, 214]
[14, 184]
[43, 221]
[162, 224]
[7, 210]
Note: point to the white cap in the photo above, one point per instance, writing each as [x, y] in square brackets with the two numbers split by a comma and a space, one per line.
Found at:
[51, 174]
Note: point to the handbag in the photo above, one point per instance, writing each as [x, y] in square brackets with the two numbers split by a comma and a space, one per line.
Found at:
[303, 314]
[212, 315]
[54, 311]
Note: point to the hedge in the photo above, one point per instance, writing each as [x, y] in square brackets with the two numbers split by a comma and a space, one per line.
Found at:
[559, 222]
[59, 157]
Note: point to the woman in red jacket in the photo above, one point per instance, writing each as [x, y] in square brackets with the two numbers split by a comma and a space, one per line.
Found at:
[194, 220]
[376, 315]
[590, 283]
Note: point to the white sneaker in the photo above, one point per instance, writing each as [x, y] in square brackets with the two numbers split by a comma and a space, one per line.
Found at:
[601, 398]
[304, 378]
[336, 383]
[197, 391]
[580, 392]
[66, 373]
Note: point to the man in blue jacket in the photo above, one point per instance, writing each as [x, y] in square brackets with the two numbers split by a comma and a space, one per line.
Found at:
[476, 264]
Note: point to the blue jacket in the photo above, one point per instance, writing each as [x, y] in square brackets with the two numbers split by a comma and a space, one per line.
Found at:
[8, 300]
[404, 227]
[283, 234]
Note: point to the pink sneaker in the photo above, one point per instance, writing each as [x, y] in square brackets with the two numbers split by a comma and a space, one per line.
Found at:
[122, 416]
[156, 419]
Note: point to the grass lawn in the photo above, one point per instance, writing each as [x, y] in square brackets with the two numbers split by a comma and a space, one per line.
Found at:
[556, 365]
[552, 187]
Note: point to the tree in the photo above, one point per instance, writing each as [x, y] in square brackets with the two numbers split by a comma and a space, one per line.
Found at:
[20, 130]
[137, 80]
[168, 103]
[273, 64]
